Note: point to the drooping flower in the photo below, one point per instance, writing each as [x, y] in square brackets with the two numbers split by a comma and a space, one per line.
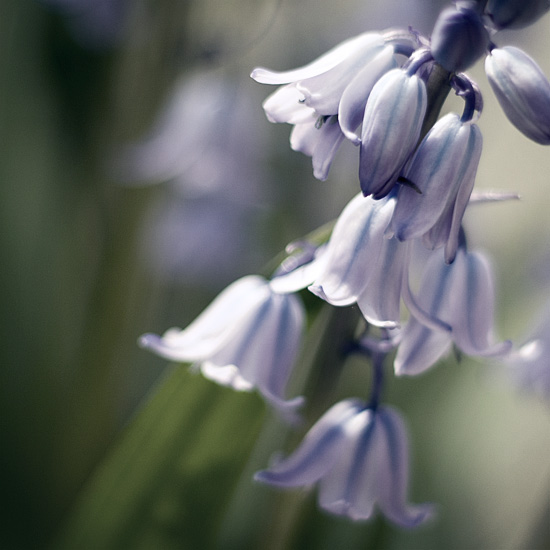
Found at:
[247, 338]
[359, 457]
[529, 366]
[391, 126]
[462, 296]
[459, 37]
[515, 14]
[522, 90]
[334, 86]
[443, 168]
[360, 264]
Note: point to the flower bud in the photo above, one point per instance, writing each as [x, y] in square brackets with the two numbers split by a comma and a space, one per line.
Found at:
[443, 168]
[514, 14]
[459, 38]
[391, 126]
[522, 90]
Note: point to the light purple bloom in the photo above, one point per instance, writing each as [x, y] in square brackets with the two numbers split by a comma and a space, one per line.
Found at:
[522, 90]
[360, 458]
[360, 264]
[247, 338]
[529, 366]
[443, 168]
[391, 127]
[462, 296]
[316, 95]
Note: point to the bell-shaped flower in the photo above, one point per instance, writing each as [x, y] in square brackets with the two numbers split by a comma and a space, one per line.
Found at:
[529, 366]
[515, 14]
[336, 84]
[459, 37]
[359, 457]
[247, 338]
[522, 90]
[462, 296]
[360, 264]
[443, 168]
[391, 127]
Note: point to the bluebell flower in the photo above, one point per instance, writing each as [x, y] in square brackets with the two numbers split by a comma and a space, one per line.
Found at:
[522, 90]
[459, 37]
[247, 338]
[360, 459]
[334, 86]
[360, 265]
[443, 168]
[462, 296]
[391, 127]
[514, 14]
[529, 366]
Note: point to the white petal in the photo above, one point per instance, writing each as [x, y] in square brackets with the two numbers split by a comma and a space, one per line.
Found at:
[353, 250]
[380, 300]
[318, 451]
[320, 65]
[394, 473]
[354, 98]
[350, 487]
[323, 92]
[473, 306]
[210, 330]
[286, 105]
[300, 278]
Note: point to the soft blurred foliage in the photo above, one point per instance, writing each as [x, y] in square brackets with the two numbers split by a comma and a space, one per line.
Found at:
[104, 445]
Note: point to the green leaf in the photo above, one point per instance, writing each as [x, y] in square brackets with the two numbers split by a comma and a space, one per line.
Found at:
[169, 478]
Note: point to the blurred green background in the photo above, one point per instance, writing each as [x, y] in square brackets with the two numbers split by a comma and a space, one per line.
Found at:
[104, 445]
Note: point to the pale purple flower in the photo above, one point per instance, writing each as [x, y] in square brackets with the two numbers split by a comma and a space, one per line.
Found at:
[529, 366]
[360, 459]
[522, 90]
[462, 296]
[391, 127]
[360, 264]
[247, 338]
[332, 88]
[443, 168]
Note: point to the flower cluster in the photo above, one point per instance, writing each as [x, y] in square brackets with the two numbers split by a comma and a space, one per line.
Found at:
[416, 175]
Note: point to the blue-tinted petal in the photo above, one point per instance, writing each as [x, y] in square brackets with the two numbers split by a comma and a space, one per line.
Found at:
[350, 488]
[320, 142]
[263, 348]
[379, 302]
[354, 98]
[317, 453]
[394, 474]
[301, 277]
[322, 64]
[323, 92]
[522, 91]
[445, 162]
[472, 304]
[422, 346]
[391, 126]
[286, 105]
[214, 325]
[352, 254]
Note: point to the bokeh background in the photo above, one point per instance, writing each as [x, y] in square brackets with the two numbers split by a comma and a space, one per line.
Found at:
[139, 177]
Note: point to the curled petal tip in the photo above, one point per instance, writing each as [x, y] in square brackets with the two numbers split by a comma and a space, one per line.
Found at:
[148, 340]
